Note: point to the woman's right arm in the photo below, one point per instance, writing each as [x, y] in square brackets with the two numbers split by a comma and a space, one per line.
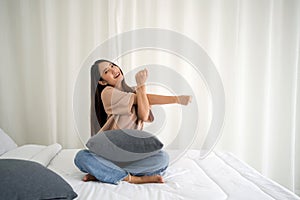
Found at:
[141, 99]
[144, 101]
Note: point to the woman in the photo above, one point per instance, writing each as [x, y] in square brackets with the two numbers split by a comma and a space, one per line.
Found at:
[115, 105]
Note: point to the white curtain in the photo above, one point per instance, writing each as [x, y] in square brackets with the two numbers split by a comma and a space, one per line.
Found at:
[253, 44]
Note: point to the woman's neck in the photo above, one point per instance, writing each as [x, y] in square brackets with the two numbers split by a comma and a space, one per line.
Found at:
[119, 86]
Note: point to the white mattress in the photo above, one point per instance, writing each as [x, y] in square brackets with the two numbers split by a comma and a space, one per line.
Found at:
[219, 176]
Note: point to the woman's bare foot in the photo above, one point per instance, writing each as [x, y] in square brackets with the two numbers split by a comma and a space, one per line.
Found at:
[89, 177]
[144, 179]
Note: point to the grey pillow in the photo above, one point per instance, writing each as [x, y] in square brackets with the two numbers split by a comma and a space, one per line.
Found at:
[27, 180]
[124, 145]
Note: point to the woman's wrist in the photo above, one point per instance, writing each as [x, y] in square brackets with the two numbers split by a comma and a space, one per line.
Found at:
[176, 99]
[141, 87]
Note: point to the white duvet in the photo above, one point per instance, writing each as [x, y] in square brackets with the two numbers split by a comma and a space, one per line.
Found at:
[217, 177]
[33, 152]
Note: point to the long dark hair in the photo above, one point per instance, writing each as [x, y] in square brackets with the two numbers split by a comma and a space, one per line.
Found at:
[97, 112]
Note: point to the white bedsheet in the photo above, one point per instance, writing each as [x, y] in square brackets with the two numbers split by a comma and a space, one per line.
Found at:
[219, 176]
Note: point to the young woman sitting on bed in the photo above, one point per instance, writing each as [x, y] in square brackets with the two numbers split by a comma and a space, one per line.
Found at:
[115, 105]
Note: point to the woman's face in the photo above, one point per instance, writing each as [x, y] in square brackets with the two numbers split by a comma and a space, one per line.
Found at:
[110, 73]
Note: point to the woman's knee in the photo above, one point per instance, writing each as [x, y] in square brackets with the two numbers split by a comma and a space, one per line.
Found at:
[165, 158]
[161, 163]
[81, 154]
[81, 158]
[162, 159]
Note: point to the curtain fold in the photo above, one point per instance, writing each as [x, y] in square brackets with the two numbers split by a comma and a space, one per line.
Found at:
[254, 45]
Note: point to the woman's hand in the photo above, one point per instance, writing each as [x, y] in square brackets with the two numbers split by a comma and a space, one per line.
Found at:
[141, 77]
[184, 99]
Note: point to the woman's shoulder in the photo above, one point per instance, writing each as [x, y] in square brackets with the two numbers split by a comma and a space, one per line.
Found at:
[110, 94]
[109, 90]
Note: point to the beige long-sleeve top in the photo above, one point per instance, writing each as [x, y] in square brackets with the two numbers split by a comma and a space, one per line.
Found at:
[121, 111]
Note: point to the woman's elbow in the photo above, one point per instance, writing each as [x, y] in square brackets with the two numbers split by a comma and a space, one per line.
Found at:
[144, 116]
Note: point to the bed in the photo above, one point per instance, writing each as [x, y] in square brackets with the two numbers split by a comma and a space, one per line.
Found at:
[219, 176]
